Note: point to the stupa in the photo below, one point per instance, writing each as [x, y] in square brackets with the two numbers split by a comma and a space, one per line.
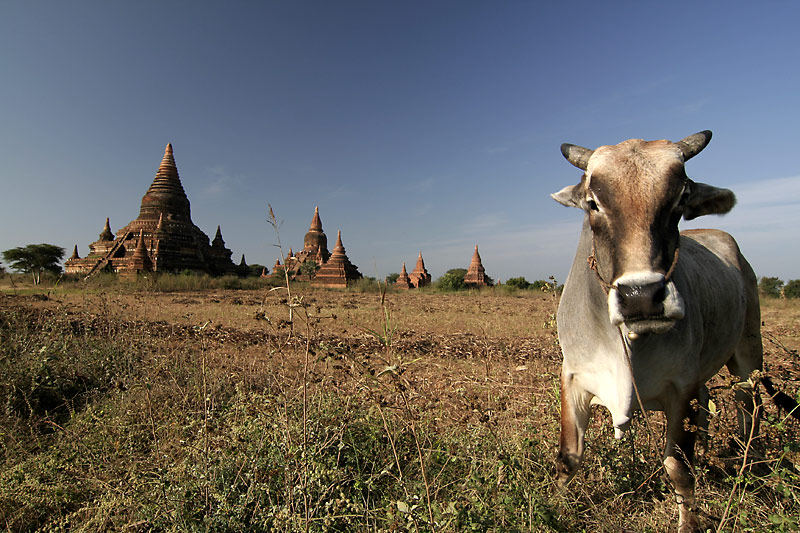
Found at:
[476, 274]
[403, 281]
[419, 276]
[162, 238]
[338, 270]
[315, 248]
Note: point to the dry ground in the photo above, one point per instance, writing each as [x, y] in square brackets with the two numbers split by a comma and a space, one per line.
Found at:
[426, 367]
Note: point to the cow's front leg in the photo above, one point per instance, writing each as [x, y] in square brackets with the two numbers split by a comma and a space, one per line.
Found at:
[575, 411]
[678, 460]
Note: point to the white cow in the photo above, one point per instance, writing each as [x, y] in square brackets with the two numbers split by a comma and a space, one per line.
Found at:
[648, 308]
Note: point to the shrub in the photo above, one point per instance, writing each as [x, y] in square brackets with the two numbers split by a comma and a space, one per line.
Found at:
[366, 284]
[771, 287]
[792, 289]
[452, 280]
[519, 283]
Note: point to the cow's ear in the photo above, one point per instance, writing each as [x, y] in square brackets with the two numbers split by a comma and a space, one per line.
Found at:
[569, 196]
[707, 200]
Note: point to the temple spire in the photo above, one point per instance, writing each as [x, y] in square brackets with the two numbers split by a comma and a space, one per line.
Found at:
[420, 276]
[316, 222]
[403, 281]
[476, 274]
[106, 234]
[75, 253]
[339, 247]
[166, 193]
[218, 242]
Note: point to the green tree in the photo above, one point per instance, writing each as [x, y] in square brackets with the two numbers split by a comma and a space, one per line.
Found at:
[770, 286]
[792, 289]
[391, 279]
[519, 283]
[254, 270]
[34, 259]
[308, 268]
[452, 280]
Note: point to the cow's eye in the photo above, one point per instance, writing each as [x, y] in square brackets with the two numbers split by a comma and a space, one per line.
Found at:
[592, 204]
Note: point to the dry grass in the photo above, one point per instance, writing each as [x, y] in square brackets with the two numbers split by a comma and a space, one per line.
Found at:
[207, 410]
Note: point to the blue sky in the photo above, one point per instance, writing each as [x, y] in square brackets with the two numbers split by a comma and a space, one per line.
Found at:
[429, 126]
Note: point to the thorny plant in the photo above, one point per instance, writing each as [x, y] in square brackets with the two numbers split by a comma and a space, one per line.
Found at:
[758, 473]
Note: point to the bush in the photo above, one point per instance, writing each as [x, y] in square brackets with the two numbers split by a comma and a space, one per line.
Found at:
[792, 289]
[452, 280]
[770, 287]
[519, 283]
[366, 284]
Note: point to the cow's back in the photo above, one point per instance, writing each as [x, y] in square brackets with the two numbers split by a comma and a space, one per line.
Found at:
[723, 291]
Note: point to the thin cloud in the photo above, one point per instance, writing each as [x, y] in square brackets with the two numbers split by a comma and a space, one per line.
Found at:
[484, 222]
[220, 181]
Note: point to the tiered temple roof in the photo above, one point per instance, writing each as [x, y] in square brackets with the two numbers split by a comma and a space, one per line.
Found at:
[476, 274]
[315, 248]
[403, 281]
[338, 270]
[419, 276]
[161, 238]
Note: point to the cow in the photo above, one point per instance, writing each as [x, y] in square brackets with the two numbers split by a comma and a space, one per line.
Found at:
[648, 314]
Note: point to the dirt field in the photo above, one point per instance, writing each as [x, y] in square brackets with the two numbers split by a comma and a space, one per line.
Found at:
[256, 410]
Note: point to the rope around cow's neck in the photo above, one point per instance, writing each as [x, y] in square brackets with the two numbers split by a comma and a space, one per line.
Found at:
[592, 261]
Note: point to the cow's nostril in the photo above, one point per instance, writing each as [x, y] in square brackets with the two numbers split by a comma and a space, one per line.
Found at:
[660, 294]
[642, 300]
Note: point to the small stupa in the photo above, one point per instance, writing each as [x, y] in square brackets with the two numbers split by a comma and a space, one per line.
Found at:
[476, 274]
[403, 281]
[338, 270]
[419, 276]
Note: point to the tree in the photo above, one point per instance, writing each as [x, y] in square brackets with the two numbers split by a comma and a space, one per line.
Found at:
[452, 280]
[391, 279]
[35, 258]
[254, 270]
[519, 283]
[792, 289]
[770, 287]
[308, 268]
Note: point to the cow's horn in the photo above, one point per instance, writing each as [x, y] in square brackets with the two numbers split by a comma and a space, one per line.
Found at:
[694, 144]
[577, 155]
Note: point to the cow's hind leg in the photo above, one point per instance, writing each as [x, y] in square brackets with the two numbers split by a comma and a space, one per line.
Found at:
[575, 410]
[748, 357]
[679, 457]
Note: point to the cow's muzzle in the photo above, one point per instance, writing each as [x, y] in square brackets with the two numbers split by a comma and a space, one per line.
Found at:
[646, 302]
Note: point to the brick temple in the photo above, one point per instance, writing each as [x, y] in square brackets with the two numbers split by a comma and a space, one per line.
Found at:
[420, 277]
[334, 269]
[315, 248]
[476, 274]
[403, 281]
[338, 271]
[162, 238]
